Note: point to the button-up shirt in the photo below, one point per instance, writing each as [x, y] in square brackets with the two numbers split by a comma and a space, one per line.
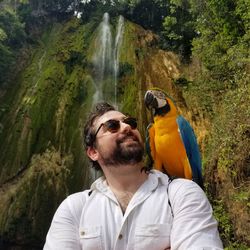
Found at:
[93, 219]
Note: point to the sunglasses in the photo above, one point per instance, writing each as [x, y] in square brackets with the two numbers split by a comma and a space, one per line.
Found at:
[113, 125]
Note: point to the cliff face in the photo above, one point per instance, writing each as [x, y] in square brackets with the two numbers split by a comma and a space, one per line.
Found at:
[41, 121]
[42, 116]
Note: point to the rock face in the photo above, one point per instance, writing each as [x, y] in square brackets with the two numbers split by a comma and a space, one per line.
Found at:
[42, 115]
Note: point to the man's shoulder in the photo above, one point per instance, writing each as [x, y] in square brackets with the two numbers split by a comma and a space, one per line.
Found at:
[184, 190]
[73, 205]
[79, 197]
[175, 183]
[75, 201]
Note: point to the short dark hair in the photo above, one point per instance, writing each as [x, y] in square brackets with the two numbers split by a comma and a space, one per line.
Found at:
[88, 133]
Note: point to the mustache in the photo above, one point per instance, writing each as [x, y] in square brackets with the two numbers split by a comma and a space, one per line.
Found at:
[128, 135]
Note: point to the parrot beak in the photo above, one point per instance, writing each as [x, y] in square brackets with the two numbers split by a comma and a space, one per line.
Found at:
[150, 100]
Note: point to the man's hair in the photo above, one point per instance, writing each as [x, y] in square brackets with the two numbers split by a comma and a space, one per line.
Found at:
[88, 132]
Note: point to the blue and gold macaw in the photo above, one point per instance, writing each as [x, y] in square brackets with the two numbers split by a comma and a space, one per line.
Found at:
[171, 143]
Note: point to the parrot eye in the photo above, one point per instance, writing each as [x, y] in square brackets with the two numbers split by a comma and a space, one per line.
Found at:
[113, 125]
[161, 95]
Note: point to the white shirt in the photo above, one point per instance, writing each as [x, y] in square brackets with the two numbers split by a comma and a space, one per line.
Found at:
[93, 219]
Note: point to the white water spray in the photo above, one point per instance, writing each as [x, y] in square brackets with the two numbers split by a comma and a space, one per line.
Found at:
[106, 61]
[118, 41]
[102, 59]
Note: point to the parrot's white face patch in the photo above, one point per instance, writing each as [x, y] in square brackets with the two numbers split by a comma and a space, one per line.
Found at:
[161, 103]
[160, 97]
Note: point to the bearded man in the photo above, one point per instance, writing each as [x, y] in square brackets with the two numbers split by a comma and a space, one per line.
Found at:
[128, 208]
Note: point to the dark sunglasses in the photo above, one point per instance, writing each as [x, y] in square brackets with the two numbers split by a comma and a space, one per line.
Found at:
[113, 125]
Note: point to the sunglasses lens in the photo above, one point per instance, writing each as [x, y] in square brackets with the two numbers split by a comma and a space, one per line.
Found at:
[112, 125]
[131, 122]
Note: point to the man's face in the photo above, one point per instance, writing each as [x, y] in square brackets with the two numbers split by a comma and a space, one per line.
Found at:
[121, 147]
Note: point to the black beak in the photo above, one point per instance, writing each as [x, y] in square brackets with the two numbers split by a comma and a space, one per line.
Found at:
[150, 100]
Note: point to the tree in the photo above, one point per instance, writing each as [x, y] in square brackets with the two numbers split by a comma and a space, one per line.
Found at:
[6, 56]
[223, 29]
[179, 28]
[14, 29]
[12, 37]
[148, 13]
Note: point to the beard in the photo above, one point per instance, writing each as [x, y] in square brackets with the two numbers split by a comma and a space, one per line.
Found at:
[125, 152]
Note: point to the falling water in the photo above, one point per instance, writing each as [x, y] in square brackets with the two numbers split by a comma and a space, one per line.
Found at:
[40, 64]
[102, 59]
[106, 61]
[118, 41]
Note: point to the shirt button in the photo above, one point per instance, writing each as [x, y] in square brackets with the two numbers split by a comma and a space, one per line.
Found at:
[120, 236]
[82, 233]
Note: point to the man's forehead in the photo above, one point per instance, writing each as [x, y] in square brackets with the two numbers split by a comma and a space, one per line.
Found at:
[113, 114]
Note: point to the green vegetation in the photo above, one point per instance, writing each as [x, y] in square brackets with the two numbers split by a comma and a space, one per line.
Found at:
[29, 196]
[226, 227]
[220, 90]
[41, 117]
[12, 36]
[179, 28]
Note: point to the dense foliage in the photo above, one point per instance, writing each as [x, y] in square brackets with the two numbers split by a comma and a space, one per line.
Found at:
[223, 90]
[12, 36]
[223, 42]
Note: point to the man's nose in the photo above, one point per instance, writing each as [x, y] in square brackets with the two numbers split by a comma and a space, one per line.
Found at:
[125, 127]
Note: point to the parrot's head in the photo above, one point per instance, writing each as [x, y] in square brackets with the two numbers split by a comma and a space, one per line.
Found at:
[157, 100]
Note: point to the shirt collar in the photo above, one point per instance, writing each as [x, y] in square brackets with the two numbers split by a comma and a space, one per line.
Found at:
[155, 178]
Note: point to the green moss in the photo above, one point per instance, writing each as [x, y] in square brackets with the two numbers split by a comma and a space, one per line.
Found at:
[128, 46]
[26, 203]
[53, 84]
[125, 69]
[129, 99]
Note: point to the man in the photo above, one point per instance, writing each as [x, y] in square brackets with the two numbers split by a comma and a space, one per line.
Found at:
[128, 208]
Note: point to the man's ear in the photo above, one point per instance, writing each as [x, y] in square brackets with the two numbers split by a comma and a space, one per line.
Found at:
[92, 153]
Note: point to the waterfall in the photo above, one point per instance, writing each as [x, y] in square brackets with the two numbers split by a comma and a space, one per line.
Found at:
[102, 58]
[37, 76]
[118, 41]
[106, 60]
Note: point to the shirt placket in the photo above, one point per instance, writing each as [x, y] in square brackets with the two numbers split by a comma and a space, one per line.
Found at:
[121, 241]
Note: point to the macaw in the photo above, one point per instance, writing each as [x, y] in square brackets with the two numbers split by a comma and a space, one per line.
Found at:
[171, 143]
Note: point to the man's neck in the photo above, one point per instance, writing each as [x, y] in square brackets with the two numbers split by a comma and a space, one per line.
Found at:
[125, 178]
[124, 181]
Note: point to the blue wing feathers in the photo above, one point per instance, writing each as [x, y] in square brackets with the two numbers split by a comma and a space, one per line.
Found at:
[149, 161]
[192, 148]
[148, 150]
